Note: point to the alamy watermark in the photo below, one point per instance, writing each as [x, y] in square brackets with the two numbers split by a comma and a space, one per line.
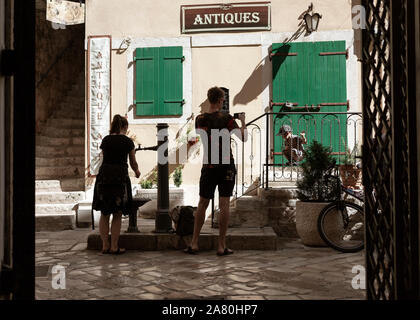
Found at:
[58, 281]
[217, 149]
[359, 280]
[359, 18]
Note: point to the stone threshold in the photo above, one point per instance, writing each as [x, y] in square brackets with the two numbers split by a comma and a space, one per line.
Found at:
[147, 240]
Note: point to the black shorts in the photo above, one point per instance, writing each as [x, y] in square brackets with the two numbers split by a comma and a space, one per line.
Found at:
[222, 176]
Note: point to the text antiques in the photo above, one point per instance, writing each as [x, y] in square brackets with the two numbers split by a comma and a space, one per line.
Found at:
[99, 96]
[224, 17]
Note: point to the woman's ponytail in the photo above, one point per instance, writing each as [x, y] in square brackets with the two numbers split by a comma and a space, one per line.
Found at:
[118, 123]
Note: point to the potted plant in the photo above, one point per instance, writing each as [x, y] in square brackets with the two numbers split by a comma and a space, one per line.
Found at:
[149, 190]
[350, 174]
[177, 176]
[314, 192]
[146, 184]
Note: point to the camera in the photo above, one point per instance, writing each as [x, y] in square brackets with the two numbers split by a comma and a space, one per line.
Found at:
[236, 115]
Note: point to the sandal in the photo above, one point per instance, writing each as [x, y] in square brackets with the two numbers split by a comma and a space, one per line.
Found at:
[107, 251]
[119, 251]
[190, 250]
[225, 252]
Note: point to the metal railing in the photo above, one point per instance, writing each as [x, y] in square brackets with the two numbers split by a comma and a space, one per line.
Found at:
[260, 160]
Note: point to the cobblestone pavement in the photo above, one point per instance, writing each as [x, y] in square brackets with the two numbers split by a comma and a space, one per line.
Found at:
[293, 272]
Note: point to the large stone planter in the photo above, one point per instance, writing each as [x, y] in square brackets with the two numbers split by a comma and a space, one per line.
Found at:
[148, 211]
[307, 222]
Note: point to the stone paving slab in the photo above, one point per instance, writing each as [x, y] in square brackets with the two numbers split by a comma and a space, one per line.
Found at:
[292, 272]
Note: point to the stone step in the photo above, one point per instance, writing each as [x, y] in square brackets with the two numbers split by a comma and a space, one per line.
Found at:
[60, 162]
[237, 239]
[72, 104]
[59, 141]
[249, 203]
[66, 123]
[57, 151]
[55, 209]
[47, 186]
[55, 222]
[44, 173]
[70, 113]
[59, 197]
[63, 132]
[74, 99]
[69, 184]
[248, 218]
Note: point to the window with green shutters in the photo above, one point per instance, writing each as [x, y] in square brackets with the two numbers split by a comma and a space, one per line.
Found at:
[159, 81]
[303, 74]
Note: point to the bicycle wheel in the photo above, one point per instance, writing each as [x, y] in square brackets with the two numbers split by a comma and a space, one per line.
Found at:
[341, 225]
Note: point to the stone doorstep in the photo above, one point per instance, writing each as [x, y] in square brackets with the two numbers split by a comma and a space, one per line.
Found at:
[54, 222]
[147, 240]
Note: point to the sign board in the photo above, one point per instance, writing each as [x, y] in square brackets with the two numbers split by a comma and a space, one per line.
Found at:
[226, 17]
[65, 12]
[99, 96]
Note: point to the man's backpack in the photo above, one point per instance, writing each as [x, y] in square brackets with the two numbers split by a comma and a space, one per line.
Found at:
[183, 218]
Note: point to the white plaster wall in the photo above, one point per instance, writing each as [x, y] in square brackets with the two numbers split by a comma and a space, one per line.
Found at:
[161, 18]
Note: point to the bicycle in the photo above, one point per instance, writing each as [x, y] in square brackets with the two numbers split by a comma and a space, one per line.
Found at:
[341, 223]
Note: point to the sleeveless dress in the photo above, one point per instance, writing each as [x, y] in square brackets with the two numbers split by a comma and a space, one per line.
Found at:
[112, 191]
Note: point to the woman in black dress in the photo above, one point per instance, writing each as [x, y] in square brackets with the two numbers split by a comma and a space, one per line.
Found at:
[112, 192]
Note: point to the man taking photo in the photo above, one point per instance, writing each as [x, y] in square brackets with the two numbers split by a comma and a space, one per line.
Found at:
[215, 128]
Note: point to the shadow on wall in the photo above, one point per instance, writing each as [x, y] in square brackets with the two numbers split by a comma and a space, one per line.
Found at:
[205, 106]
[257, 83]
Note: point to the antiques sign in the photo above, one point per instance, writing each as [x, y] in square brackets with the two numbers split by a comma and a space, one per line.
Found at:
[224, 17]
[99, 96]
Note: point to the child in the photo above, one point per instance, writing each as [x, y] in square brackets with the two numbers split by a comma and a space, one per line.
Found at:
[293, 145]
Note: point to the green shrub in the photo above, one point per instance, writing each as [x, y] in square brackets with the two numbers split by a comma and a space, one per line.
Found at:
[312, 186]
[177, 176]
[146, 184]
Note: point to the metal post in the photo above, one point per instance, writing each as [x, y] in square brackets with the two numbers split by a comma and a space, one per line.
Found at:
[266, 150]
[132, 220]
[163, 222]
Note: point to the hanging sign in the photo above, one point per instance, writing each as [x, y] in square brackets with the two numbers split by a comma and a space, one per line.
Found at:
[225, 17]
[99, 96]
[65, 12]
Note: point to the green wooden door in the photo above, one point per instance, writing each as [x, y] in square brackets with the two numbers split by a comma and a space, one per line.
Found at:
[304, 75]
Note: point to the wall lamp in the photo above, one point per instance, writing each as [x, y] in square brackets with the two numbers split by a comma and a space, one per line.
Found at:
[312, 20]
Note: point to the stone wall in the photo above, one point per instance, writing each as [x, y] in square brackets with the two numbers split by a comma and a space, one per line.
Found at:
[274, 208]
[281, 205]
[59, 61]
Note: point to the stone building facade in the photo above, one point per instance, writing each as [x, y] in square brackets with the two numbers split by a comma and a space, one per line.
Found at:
[237, 60]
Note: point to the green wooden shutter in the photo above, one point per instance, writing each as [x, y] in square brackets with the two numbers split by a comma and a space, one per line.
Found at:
[147, 81]
[171, 93]
[307, 78]
[159, 81]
